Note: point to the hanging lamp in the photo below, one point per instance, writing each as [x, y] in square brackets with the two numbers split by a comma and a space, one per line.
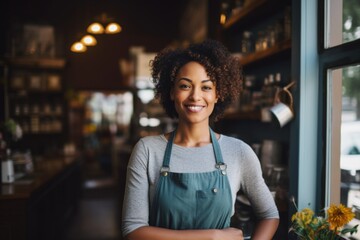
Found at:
[104, 24]
[78, 47]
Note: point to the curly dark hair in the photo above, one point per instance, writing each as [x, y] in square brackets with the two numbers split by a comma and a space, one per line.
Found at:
[222, 68]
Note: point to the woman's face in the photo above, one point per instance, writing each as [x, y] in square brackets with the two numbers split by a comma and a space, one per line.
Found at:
[194, 94]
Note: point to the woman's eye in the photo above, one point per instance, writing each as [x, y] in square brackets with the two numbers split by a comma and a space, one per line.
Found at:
[184, 86]
[207, 88]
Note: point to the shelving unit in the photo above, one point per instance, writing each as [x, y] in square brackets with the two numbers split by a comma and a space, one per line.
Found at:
[252, 13]
[266, 54]
[31, 62]
[36, 100]
[260, 17]
[248, 12]
[255, 15]
[253, 59]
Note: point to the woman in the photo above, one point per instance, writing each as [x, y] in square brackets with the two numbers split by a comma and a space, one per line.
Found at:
[183, 184]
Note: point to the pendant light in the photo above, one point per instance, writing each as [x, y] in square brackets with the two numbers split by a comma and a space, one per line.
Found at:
[112, 28]
[89, 40]
[78, 47]
[104, 24]
[95, 28]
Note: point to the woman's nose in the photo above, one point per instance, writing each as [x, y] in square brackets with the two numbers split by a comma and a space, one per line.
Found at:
[195, 94]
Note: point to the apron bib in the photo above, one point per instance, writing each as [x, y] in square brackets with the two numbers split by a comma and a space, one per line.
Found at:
[192, 200]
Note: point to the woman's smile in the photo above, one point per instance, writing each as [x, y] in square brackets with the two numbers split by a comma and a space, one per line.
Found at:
[194, 108]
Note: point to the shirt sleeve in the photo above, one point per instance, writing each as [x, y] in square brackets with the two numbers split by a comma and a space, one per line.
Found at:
[255, 188]
[135, 212]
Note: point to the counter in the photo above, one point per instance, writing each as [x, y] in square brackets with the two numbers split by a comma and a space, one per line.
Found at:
[38, 206]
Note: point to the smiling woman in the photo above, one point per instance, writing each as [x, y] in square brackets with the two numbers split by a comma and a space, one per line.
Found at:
[222, 69]
[183, 184]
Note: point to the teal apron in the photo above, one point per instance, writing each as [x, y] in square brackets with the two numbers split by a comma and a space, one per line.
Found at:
[192, 200]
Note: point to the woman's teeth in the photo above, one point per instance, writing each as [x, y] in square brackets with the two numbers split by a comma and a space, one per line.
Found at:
[195, 108]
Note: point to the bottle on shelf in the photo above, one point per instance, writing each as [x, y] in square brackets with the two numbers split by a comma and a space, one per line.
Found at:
[264, 41]
[246, 43]
[245, 101]
[265, 93]
[278, 79]
[7, 169]
[272, 90]
[279, 31]
[278, 83]
[259, 41]
[271, 36]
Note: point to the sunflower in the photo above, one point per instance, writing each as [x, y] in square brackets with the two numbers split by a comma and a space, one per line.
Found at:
[339, 215]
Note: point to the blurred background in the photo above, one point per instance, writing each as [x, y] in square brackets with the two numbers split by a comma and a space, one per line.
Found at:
[75, 99]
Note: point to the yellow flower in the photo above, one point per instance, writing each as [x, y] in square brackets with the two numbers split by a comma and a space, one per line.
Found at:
[339, 215]
[308, 226]
[304, 217]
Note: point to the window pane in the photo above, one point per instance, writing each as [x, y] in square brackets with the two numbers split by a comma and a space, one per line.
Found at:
[344, 145]
[342, 18]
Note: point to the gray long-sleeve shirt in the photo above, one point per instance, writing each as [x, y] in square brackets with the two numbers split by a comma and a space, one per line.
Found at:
[243, 169]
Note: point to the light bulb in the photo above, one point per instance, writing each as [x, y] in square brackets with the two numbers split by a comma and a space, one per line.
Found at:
[89, 40]
[95, 28]
[112, 28]
[78, 47]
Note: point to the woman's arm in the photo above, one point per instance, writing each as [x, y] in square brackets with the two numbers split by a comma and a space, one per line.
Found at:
[156, 233]
[259, 196]
[265, 229]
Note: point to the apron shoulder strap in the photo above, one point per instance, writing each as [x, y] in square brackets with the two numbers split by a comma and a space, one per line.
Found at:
[216, 147]
[168, 150]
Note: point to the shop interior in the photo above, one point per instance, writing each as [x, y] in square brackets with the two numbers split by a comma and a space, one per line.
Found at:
[76, 108]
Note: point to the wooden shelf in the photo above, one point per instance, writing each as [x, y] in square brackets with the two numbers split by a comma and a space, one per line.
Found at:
[254, 11]
[34, 62]
[257, 56]
[25, 92]
[245, 12]
[243, 115]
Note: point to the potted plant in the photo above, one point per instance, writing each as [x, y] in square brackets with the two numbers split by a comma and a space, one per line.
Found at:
[332, 225]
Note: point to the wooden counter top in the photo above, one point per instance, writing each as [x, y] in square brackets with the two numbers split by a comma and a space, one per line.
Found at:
[44, 171]
[38, 206]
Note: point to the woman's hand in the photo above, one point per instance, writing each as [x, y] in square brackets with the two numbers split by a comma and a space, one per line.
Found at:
[229, 234]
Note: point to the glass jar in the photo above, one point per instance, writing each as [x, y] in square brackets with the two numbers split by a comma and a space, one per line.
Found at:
[246, 43]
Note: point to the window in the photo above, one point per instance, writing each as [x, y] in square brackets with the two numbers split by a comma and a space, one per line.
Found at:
[339, 73]
[343, 22]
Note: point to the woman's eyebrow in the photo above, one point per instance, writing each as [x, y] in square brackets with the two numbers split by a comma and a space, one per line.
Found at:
[189, 80]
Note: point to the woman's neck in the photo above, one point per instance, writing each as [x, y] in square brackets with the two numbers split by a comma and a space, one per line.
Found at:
[193, 135]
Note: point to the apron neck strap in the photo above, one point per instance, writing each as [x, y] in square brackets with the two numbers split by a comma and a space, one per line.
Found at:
[167, 155]
[216, 147]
